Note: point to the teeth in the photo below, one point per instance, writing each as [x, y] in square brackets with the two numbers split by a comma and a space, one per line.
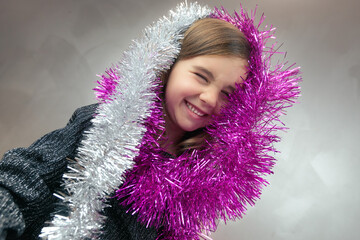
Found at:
[194, 110]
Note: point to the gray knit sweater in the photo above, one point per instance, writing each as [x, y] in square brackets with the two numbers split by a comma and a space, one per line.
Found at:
[29, 177]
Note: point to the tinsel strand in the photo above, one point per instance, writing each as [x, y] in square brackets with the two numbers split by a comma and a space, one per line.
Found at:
[112, 143]
[188, 194]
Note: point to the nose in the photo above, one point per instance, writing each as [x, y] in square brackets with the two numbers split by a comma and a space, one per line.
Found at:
[210, 97]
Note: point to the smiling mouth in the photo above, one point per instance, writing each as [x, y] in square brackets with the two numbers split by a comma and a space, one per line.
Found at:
[192, 108]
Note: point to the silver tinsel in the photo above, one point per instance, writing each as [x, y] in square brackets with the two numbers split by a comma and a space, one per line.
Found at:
[110, 146]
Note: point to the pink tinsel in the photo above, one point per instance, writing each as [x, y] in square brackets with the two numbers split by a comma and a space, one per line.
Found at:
[107, 85]
[187, 195]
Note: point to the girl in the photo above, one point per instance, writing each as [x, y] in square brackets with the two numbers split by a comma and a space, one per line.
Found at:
[181, 137]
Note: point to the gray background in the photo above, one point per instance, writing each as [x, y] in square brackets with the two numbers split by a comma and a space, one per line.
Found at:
[51, 51]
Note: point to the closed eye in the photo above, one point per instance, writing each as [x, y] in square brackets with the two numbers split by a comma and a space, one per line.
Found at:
[202, 77]
[227, 94]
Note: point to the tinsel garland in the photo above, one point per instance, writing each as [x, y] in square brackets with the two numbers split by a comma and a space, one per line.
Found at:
[187, 195]
[118, 128]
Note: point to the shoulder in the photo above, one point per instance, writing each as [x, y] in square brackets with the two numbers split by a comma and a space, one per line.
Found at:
[84, 113]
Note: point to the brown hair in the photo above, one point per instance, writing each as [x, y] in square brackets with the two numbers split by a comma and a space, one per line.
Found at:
[208, 36]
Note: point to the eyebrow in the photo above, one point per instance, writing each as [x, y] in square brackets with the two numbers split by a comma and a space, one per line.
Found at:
[207, 72]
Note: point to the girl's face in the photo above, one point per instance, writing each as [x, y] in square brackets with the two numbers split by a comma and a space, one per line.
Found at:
[198, 87]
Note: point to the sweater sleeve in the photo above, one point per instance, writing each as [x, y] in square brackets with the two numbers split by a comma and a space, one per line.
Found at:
[29, 176]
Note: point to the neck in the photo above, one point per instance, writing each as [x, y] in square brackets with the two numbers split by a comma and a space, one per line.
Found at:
[172, 136]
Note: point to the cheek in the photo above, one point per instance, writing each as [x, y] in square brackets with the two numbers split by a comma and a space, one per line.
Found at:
[170, 99]
[181, 88]
[172, 96]
[217, 110]
[222, 103]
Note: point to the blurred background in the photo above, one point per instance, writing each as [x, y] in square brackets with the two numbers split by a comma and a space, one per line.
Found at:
[51, 52]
